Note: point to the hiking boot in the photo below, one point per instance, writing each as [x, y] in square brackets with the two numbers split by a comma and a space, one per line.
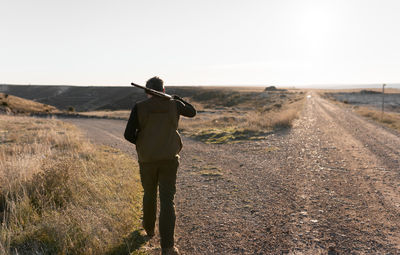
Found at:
[149, 233]
[170, 251]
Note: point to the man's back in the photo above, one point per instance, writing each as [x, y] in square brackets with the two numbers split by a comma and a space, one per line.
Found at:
[158, 138]
[152, 126]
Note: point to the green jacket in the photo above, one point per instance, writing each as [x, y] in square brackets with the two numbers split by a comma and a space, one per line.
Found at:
[158, 138]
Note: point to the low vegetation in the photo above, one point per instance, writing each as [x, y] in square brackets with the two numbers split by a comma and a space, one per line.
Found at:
[121, 114]
[59, 194]
[365, 103]
[232, 116]
[15, 105]
[389, 119]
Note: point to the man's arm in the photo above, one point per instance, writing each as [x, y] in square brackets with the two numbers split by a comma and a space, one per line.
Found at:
[132, 126]
[184, 108]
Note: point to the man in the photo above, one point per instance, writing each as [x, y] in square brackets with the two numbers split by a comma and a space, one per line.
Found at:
[152, 126]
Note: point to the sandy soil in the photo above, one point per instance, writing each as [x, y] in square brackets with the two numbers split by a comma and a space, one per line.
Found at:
[329, 185]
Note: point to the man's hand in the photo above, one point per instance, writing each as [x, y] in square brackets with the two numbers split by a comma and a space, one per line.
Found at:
[184, 108]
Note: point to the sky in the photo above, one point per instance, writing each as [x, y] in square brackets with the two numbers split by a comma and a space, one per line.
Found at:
[203, 42]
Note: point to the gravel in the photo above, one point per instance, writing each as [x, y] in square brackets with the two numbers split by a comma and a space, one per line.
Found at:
[329, 185]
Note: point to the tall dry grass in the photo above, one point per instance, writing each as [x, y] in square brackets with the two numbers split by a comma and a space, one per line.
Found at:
[282, 118]
[59, 194]
[17, 105]
[389, 119]
[121, 114]
[243, 123]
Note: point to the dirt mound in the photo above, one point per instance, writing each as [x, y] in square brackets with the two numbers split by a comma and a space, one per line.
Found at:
[16, 105]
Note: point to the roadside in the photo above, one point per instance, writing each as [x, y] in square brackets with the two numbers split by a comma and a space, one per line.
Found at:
[328, 184]
[368, 103]
[60, 194]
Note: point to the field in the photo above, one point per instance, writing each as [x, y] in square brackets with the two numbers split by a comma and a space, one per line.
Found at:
[326, 185]
[60, 194]
[370, 98]
[227, 115]
[261, 172]
[368, 103]
[85, 99]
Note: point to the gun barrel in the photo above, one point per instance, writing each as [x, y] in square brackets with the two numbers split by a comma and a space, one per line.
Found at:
[152, 91]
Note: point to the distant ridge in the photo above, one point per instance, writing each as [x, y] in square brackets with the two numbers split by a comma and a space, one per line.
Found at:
[81, 98]
[89, 98]
[354, 86]
[92, 98]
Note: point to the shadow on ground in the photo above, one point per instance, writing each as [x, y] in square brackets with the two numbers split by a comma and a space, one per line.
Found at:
[131, 243]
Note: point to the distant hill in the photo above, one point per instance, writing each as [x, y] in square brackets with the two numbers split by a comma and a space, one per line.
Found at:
[90, 98]
[80, 98]
[94, 98]
[17, 105]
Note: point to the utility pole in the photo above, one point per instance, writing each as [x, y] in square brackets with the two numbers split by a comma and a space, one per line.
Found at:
[383, 100]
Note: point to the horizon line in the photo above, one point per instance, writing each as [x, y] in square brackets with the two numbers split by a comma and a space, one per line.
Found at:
[315, 85]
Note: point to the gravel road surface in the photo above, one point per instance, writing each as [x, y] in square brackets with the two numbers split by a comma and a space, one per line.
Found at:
[330, 185]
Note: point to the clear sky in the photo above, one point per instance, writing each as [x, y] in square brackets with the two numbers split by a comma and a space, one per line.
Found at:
[202, 42]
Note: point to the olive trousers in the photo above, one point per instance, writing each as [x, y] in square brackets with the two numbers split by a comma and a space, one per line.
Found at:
[160, 174]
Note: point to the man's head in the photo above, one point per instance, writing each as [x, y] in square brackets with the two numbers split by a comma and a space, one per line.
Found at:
[155, 83]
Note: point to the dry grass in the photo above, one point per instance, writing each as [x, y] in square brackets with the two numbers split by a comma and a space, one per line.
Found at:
[228, 115]
[243, 122]
[391, 120]
[60, 194]
[379, 90]
[122, 114]
[13, 104]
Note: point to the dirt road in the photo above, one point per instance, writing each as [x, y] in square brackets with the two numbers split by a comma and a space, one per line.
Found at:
[330, 184]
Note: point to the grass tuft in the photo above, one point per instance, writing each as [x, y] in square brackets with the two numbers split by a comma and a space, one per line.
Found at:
[60, 194]
[210, 171]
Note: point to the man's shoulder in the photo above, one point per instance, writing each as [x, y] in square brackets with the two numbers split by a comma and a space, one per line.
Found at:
[142, 102]
[156, 100]
[155, 103]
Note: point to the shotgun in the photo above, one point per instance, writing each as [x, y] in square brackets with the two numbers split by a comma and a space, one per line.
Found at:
[153, 92]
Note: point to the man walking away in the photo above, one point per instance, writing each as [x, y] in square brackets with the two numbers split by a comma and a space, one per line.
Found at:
[152, 126]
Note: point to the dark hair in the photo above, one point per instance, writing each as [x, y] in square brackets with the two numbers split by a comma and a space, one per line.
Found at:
[155, 83]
